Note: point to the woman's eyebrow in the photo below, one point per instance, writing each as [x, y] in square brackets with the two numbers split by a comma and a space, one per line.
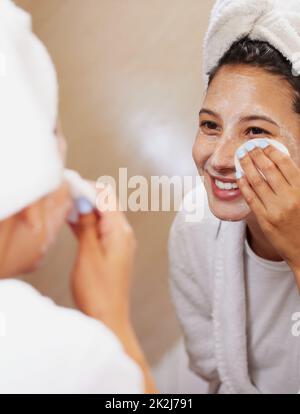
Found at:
[242, 119]
[208, 112]
[258, 117]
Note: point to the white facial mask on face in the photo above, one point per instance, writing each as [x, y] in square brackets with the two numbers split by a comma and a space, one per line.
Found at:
[273, 142]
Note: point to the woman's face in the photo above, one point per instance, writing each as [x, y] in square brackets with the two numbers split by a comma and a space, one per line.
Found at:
[35, 229]
[56, 207]
[241, 103]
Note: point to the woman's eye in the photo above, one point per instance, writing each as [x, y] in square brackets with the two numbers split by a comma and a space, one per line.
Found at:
[257, 131]
[209, 125]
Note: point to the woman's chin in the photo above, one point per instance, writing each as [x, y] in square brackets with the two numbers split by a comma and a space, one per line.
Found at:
[236, 210]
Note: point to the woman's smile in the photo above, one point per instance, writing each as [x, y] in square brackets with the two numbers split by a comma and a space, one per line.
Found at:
[224, 189]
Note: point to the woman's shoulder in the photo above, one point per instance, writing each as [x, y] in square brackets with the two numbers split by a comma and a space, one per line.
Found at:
[44, 340]
[35, 321]
[24, 306]
[20, 289]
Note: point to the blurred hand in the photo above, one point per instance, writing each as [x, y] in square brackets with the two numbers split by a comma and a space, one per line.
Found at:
[102, 273]
[101, 277]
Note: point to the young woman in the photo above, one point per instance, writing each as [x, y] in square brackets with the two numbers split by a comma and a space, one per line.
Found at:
[236, 274]
[45, 348]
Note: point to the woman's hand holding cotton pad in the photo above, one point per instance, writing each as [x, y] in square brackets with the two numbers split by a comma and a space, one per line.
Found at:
[251, 144]
[274, 201]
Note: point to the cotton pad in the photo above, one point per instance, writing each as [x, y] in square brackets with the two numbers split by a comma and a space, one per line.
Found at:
[79, 188]
[273, 142]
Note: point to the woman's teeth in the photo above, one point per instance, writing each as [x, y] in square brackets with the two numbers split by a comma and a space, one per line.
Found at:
[226, 186]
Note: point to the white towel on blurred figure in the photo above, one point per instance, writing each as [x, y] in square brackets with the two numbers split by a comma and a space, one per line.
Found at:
[44, 348]
[30, 164]
[274, 21]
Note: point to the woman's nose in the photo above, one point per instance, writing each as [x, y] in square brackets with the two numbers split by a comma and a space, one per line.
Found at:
[223, 156]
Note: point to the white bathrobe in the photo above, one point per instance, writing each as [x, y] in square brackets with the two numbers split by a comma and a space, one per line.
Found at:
[47, 349]
[208, 290]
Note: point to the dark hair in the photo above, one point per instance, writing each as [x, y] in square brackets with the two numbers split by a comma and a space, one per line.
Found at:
[262, 55]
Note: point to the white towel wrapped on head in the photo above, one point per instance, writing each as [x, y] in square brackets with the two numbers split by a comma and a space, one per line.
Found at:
[30, 163]
[274, 21]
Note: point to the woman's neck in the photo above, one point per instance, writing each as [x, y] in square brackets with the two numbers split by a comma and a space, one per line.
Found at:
[258, 241]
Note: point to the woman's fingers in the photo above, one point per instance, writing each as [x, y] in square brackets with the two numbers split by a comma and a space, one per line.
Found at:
[86, 228]
[259, 186]
[274, 176]
[276, 191]
[114, 228]
[116, 233]
[285, 164]
[107, 225]
[251, 198]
